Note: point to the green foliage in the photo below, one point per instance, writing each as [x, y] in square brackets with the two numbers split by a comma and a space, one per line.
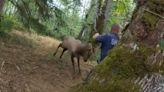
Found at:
[150, 20]
[26, 12]
[65, 2]
[113, 85]
[46, 18]
[120, 13]
[161, 44]
[6, 24]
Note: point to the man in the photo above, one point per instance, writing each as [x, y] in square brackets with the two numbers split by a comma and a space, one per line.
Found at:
[108, 41]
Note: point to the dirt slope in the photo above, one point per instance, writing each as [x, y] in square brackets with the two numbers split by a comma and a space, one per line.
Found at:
[27, 65]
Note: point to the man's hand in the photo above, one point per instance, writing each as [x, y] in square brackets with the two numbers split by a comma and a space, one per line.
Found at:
[95, 35]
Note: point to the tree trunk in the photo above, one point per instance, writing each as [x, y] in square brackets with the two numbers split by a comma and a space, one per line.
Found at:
[100, 18]
[85, 24]
[100, 21]
[102, 15]
[1, 5]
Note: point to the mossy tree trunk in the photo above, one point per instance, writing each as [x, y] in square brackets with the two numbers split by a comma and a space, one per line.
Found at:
[147, 29]
[136, 64]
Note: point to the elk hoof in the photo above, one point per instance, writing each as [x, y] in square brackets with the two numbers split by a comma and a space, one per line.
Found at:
[85, 75]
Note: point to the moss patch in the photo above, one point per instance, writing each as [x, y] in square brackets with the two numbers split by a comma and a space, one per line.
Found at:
[150, 20]
[124, 63]
[119, 69]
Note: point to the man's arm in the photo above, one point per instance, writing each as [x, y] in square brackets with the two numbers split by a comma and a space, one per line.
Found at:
[95, 36]
[98, 37]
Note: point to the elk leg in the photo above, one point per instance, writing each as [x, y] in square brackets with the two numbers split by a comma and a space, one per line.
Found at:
[57, 49]
[63, 52]
[73, 63]
[78, 58]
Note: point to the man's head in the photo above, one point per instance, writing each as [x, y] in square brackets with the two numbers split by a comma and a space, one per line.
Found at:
[115, 28]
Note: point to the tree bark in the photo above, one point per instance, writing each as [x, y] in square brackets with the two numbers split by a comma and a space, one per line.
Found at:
[1, 5]
[85, 25]
[101, 15]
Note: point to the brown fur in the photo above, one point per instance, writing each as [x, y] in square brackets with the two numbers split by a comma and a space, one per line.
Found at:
[76, 48]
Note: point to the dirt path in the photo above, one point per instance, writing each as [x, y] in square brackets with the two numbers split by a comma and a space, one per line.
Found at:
[26, 68]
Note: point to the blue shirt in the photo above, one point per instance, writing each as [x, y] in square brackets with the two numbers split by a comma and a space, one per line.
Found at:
[107, 42]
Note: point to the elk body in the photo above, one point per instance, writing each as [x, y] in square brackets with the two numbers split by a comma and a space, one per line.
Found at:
[76, 49]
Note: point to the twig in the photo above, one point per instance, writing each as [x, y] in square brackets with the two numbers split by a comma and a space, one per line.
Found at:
[3, 63]
[154, 13]
[17, 67]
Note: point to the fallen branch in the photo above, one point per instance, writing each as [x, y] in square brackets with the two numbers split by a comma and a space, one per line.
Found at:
[156, 14]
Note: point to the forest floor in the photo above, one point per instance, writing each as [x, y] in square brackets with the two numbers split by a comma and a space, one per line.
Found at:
[27, 65]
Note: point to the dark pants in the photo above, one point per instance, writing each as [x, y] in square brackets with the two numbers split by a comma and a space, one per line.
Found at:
[101, 58]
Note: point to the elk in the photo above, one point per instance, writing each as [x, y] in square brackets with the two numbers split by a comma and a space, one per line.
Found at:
[76, 49]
